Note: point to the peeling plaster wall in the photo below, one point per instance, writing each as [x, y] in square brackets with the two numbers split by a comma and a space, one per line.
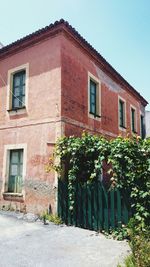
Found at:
[111, 85]
[38, 127]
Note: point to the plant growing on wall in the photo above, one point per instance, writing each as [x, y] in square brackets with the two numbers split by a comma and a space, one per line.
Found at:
[80, 159]
[130, 160]
[128, 163]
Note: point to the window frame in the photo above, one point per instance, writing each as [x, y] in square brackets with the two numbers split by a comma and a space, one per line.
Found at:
[6, 167]
[122, 127]
[19, 172]
[20, 86]
[11, 74]
[135, 119]
[97, 114]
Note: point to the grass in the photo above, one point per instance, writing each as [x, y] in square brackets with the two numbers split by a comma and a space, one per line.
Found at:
[51, 218]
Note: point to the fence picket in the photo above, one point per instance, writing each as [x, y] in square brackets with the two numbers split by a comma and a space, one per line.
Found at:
[94, 207]
[125, 213]
[119, 219]
[106, 226]
[112, 209]
[84, 205]
[100, 207]
[89, 208]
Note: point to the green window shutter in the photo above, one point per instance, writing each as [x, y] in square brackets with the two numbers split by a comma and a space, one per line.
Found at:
[121, 114]
[142, 127]
[18, 90]
[133, 119]
[15, 171]
[93, 97]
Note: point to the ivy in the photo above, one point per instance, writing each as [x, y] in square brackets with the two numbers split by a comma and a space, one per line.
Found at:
[130, 160]
[128, 164]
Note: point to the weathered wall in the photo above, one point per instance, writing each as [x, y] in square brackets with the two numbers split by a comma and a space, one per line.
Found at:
[75, 67]
[37, 127]
[57, 104]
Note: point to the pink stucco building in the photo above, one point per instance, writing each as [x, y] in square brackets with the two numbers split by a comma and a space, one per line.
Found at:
[53, 83]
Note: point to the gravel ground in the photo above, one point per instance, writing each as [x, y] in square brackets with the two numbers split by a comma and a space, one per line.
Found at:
[24, 244]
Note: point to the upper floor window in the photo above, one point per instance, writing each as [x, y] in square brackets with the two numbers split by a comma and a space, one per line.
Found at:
[142, 129]
[122, 122]
[133, 120]
[93, 96]
[94, 99]
[18, 89]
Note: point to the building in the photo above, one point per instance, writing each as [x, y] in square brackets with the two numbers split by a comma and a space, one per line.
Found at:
[54, 83]
[147, 118]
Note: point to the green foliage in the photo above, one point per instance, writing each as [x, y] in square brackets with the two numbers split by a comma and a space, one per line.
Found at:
[120, 233]
[51, 218]
[80, 159]
[129, 262]
[140, 243]
[127, 160]
[128, 164]
[130, 160]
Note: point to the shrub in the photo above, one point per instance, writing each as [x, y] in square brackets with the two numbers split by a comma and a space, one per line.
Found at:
[51, 218]
[140, 243]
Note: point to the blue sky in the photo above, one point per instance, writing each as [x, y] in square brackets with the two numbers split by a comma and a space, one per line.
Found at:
[119, 30]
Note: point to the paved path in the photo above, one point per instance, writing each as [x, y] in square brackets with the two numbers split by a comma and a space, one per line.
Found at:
[25, 244]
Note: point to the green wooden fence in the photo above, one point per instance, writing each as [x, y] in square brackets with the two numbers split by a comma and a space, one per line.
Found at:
[95, 208]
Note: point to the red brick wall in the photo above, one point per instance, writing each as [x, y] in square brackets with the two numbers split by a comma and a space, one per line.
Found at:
[75, 67]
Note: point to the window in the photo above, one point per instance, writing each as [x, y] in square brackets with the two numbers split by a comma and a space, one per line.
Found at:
[133, 120]
[18, 89]
[15, 171]
[121, 113]
[94, 98]
[142, 127]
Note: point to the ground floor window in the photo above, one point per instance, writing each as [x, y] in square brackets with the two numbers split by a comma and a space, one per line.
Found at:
[15, 171]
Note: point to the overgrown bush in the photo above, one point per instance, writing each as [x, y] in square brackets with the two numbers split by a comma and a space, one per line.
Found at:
[127, 161]
[140, 243]
[130, 160]
[80, 159]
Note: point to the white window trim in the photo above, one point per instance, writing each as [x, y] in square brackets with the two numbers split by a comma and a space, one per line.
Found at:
[133, 107]
[6, 162]
[11, 72]
[125, 114]
[97, 81]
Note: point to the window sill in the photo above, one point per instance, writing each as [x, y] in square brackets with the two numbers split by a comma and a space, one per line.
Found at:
[122, 128]
[13, 196]
[94, 116]
[17, 111]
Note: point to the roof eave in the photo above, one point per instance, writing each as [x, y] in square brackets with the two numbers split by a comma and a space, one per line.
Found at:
[54, 29]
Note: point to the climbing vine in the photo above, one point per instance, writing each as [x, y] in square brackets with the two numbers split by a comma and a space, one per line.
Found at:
[130, 172]
[128, 164]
